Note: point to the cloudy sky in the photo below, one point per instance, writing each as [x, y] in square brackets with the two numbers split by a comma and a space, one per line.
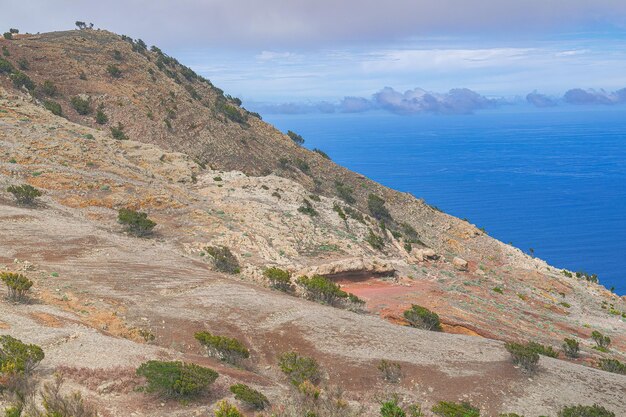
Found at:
[299, 51]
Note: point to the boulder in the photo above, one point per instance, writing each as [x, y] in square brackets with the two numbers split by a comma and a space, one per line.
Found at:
[421, 255]
[460, 264]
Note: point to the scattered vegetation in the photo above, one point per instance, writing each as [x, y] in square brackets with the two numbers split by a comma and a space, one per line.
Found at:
[226, 409]
[17, 285]
[499, 290]
[137, 222]
[302, 166]
[543, 350]
[344, 192]
[354, 214]
[602, 341]
[422, 318]
[250, 397]
[299, 368]
[231, 112]
[571, 348]
[451, 409]
[6, 67]
[20, 80]
[23, 64]
[81, 105]
[53, 107]
[114, 71]
[295, 137]
[524, 356]
[176, 379]
[377, 208]
[612, 365]
[307, 208]
[375, 241]
[392, 408]
[117, 55]
[585, 411]
[587, 277]
[321, 153]
[279, 279]
[118, 132]
[24, 194]
[102, 118]
[390, 371]
[5, 51]
[340, 212]
[225, 348]
[223, 259]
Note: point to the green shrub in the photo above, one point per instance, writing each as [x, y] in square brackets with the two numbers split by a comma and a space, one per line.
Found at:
[22, 80]
[53, 107]
[17, 284]
[101, 118]
[137, 222]
[5, 51]
[6, 67]
[24, 194]
[278, 278]
[523, 355]
[322, 289]
[375, 241]
[612, 365]
[117, 55]
[340, 212]
[344, 192]
[23, 64]
[377, 207]
[118, 132]
[422, 318]
[499, 290]
[543, 350]
[7, 35]
[81, 105]
[114, 71]
[176, 379]
[17, 357]
[303, 166]
[321, 153]
[226, 409]
[231, 112]
[451, 409]
[299, 368]
[585, 411]
[354, 214]
[571, 347]
[390, 371]
[602, 342]
[295, 137]
[251, 397]
[223, 259]
[391, 408]
[225, 348]
[307, 208]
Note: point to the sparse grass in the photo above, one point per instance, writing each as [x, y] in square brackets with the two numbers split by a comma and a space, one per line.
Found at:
[390, 371]
[451, 409]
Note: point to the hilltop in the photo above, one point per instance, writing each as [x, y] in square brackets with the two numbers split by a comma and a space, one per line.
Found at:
[212, 174]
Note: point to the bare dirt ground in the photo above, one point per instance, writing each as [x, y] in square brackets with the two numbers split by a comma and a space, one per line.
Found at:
[97, 289]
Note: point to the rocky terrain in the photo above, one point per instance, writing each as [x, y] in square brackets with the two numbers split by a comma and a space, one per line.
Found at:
[210, 174]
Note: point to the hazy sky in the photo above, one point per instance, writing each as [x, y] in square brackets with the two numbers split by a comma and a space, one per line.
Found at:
[296, 50]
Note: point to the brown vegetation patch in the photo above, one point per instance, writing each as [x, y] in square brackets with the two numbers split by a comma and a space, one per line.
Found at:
[46, 319]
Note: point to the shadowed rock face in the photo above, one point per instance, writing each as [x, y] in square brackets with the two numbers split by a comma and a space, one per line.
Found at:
[108, 288]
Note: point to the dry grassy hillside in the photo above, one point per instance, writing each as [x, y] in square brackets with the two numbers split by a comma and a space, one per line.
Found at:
[104, 301]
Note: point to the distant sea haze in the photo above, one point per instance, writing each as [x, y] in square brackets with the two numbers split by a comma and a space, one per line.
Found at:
[551, 180]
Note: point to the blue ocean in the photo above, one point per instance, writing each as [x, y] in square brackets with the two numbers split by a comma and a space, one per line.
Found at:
[553, 180]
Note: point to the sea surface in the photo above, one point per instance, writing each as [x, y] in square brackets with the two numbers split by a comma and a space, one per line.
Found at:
[552, 179]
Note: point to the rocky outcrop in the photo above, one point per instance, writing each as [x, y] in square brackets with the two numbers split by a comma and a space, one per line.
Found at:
[460, 264]
[352, 269]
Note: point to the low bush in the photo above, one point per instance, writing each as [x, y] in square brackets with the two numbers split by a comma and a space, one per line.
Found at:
[176, 379]
[250, 397]
[225, 348]
[524, 356]
[354, 214]
[17, 284]
[118, 132]
[53, 107]
[81, 105]
[393, 408]
[117, 55]
[22, 80]
[114, 71]
[340, 212]
[17, 357]
[321, 153]
[231, 112]
[24, 194]
[295, 137]
[101, 117]
[7, 35]
[602, 342]
[23, 64]
[375, 241]
[5, 51]
[303, 166]
[451, 409]
[612, 365]
[543, 350]
[344, 192]
[571, 347]
[390, 371]
[299, 368]
[136, 222]
[226, 409]
[6, 67]
[321, 289]
[223, 259]
[278, 278]
[585, 411]
[422, 318]
[55, 403]
[376, 206]
[307, 208]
